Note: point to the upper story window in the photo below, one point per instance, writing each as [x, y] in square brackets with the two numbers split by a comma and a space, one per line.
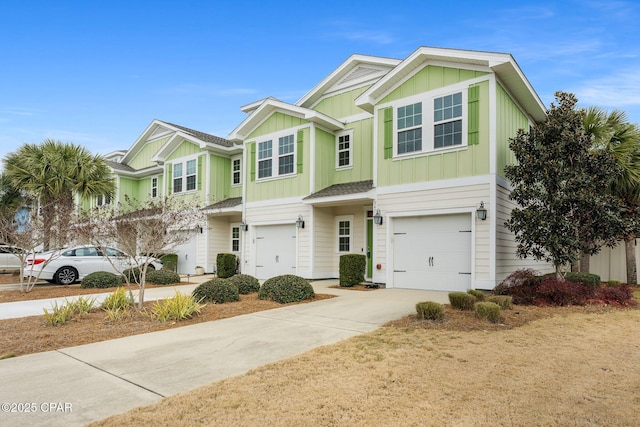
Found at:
[272, 163]
[410, 128]
[185, 176]
[432, 124]
[154, 187]
[344, 149]
[236, 175]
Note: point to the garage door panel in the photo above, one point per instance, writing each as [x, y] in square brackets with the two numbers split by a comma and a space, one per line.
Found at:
[432, 252]
[275, 250]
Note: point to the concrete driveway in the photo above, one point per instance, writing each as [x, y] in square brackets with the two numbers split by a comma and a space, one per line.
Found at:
[77, 385]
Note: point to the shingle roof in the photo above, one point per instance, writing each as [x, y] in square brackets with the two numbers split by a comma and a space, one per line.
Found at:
[343, 189]
[203, 136]
[227, 203]
[119, 166]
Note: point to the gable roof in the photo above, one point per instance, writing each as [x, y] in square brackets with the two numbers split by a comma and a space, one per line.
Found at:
[337, 193]
[355, 71]
[202, 136]
[502, 64]
[270, 106]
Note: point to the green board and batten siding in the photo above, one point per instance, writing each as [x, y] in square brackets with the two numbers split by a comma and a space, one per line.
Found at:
[341, 105]
[510, 119]
[143, 158]
[436, 165]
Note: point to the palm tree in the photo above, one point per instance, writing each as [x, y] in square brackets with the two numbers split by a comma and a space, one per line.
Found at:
[612, 132]
[54, 173]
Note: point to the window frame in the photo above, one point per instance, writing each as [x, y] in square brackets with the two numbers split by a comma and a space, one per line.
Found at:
[232, 227]
[429, 124]
[184, 175]
[340, 219]
[155, 180]
[276, 156]
[102, 201]
[235, 172]
[349, 151]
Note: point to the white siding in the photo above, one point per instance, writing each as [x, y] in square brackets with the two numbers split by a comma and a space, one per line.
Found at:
[611, 264]
[219, 238]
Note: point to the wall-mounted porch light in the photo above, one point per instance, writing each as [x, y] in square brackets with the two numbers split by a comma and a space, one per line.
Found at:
[300, 222]
[377, 218]
[481, 212]
[244, 226]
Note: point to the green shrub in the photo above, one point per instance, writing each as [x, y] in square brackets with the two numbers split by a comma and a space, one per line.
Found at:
[613, 283]
[133, 274]
[593, 280]
[430, 310]
[246, 284]
[218, 291]
[60, 314]
[476, 293]
[226, 265]
[169, 262]
[115, 314]
[352, 268]
[177, 308]
[285, 289]
[118, 299]
[162, 277]
[489, 311]
[504, 301]
[462, 300]
[101, 279]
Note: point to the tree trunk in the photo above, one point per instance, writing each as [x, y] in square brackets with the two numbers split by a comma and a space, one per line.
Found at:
[630, 255]
[584, 262]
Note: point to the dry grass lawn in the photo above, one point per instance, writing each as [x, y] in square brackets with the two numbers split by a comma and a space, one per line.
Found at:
[581, 369]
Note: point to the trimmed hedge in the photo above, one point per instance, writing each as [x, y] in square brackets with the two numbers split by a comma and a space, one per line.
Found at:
[226, 265]
[285, 289]
[489, 311]
[218, 291]
[133, 274]
[504, 301]
[246, 284]
[352, 268]
[162, 277]
[462, 300]
[101, 279]
[476, 293]
[430, 310]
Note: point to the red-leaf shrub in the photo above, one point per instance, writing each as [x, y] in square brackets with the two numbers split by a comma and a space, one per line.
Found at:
[615, 295]
[520, 285]
[552, 291]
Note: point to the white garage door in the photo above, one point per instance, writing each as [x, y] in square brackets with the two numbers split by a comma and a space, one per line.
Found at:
[187, 256]
[432, 252]
[275, 250]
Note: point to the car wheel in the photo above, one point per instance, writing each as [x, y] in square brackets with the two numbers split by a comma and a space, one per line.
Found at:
[150, 267]
[66, 275]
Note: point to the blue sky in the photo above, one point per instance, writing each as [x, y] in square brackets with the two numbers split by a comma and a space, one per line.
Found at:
[96, 73]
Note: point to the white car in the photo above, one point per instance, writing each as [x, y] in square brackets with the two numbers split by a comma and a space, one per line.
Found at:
[66, 266]
[9, 262]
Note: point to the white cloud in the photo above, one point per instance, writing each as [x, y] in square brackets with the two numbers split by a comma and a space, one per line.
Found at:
[616, 90]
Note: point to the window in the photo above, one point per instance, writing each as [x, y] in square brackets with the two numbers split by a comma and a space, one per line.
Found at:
[154, 187]
[410, 128]
[432, 124]
[285, 153]
[343, 150]
[447, 119]
[344, 233]
[185, 176]
[235, 238]
[103, 200]
[235, 171]
[272, 165]
[264, 159]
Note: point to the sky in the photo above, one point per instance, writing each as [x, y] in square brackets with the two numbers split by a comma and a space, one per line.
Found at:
[97, 73]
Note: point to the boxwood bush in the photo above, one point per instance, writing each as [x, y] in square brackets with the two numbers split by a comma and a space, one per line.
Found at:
[218, 291]
[476, 293]
[101, 279]
[462, 300]
[430, 310]
[504, 301]
[132, 274]
[162, 277]
[488, 310]
[226, 265]
[246, 284]
[286, 288]
[352, 268]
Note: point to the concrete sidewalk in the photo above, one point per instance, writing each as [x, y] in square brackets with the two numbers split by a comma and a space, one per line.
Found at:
[77, 385]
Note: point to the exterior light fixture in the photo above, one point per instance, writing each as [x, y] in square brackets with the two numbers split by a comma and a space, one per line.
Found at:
[481, 212]
[244, 226]
[377, 218]
[300, 222]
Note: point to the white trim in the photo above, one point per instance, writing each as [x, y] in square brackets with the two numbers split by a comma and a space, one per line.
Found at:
[312, 163]
[237, 157]
[233, 225]
[272, 202]
[370, 195]
[431, 185]
[343, 218]
[356, 118]
[492, 216]
[183, 161]
[157, 178]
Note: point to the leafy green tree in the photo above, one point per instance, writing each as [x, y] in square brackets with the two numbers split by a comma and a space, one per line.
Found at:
[55, 171]
[559, 184]
[613, 133]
